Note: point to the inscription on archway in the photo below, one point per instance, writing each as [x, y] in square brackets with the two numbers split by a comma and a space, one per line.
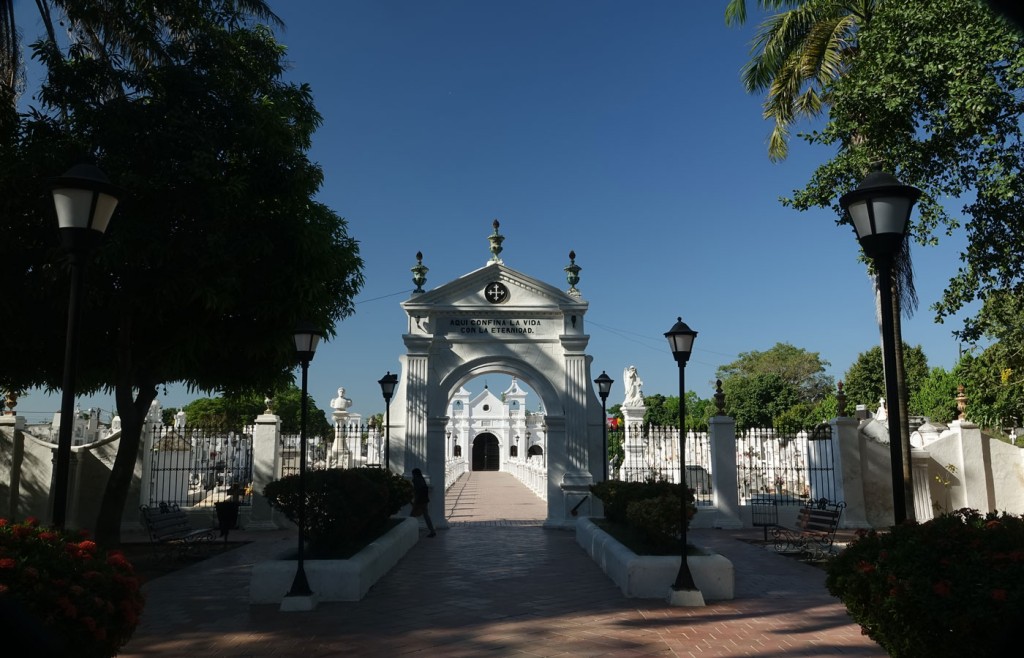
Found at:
[501, 327]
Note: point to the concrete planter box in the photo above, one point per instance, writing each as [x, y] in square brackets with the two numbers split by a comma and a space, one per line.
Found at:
[336, 580]
[651, 576]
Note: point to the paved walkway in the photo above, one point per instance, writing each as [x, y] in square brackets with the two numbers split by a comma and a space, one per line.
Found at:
[497, 583]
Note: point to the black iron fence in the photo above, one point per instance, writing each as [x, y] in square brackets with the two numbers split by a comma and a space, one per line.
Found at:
[653, 453]
[786, 467]
[193, 466]
[350, 445]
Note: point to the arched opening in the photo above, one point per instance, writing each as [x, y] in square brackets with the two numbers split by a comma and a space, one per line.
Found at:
[486, 455]
[534, 450]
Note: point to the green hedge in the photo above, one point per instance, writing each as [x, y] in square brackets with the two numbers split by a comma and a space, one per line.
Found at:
[650, 511]
[342, 505]
[617, 495]
[953, 586]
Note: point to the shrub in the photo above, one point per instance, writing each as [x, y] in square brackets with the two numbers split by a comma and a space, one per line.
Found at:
[399, 489]
[342, 505]
[617, 495]
[658, 519]
[953, 586]
[65, 589]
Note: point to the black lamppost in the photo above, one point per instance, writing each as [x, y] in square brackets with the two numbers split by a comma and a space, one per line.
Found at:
[84, 200]
[680, 339]
[387, 389]
[604, 387]
[880, 208]
[306, 339]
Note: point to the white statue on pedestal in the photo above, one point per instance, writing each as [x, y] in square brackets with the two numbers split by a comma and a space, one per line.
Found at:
[341, 403]
[881, 414]
[634, 395]
[341, 451]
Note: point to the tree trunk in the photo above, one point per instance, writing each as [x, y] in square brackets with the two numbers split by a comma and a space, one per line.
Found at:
[133, 412]
[115, 495]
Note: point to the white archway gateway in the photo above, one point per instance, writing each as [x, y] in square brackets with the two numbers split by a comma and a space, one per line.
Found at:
[499, 320]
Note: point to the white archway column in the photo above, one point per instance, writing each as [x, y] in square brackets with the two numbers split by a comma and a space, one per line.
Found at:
[578, 476]
[434, 468]
[415, 385]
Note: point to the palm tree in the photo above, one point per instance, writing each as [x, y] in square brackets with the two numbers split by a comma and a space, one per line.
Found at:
[797, 54]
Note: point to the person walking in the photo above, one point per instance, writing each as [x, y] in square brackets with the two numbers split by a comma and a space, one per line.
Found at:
[420, 500]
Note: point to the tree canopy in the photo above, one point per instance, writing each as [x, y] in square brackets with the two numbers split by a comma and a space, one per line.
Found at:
[235, 412]
[864, 381]
[935, 94]
[218, 248]
[803, 371]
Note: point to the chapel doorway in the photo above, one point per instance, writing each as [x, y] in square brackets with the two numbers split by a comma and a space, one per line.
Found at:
[486, 455]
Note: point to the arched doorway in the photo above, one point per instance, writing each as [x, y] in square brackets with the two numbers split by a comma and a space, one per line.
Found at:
[486, 455]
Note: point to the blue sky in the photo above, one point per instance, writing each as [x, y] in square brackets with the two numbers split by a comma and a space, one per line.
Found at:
[619, 130]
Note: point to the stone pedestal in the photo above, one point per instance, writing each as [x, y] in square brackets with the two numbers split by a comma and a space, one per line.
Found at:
[266, 467]
[634, 463]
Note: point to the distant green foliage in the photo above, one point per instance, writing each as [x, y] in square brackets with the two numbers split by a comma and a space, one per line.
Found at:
[232, 412]
[803, 372]
[864, 382]
[756, 401]
[936, 397]
[661, 411]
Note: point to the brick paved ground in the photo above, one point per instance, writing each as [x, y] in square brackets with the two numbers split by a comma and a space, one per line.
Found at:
[497, 583]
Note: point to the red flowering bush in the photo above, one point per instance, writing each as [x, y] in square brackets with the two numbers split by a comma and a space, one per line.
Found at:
[953, 586]
[65, 589]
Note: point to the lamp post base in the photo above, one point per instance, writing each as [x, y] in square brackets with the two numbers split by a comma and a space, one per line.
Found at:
[686, 598]
[299, 603]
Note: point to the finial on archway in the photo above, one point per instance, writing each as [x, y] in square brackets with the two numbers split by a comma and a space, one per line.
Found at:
[572, 274]
[419, 273]
[495, 239]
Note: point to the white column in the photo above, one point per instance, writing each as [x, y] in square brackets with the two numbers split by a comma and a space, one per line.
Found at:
[920, 459]
[722, 430]
[266, 467]
[849, 471]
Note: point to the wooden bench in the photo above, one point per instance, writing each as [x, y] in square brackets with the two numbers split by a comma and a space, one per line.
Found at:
[168, 524]
[815, 533]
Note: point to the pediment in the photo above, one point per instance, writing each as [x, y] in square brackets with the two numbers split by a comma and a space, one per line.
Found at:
[515, 292]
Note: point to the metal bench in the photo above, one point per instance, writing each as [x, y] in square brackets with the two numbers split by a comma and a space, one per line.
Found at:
[168, 524]
[764, 513]
[815, 533]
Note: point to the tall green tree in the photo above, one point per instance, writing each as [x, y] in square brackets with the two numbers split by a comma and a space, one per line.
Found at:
[936, 397]
[803, 371]
[799, 56]
[757, 400]
[218, 248]
[937, 92]
[864, 381]
[661, 411]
